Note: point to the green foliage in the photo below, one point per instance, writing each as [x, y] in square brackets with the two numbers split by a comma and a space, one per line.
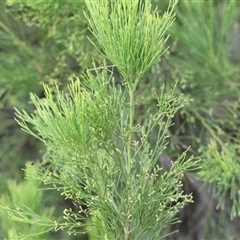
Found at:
[207, 64]
[38, 45]
[18, 75]
[224, 175]
[106, 138]
[210, 49]
[79, 130]
[15, 201]
[62, 21]
[206, 61]
[213, 70]
[83, 117]
[99, 156]
[137, 36]
[21, 79]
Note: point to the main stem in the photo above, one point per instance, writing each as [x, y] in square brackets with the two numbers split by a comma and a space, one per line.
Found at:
[127, 228]
[131, 117]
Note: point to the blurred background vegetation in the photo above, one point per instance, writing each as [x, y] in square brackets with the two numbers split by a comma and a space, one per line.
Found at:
[47, 42]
